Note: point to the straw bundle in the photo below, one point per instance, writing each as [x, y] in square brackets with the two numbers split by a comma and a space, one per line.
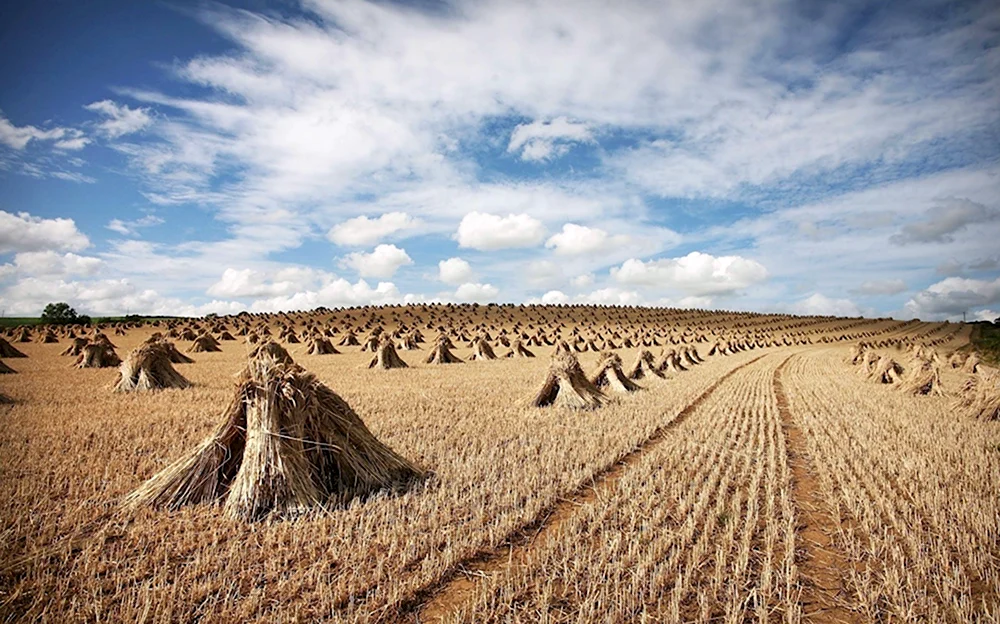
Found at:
[441, 353]
[971, 364]
[273, 351]
[691, 356]
[321, 346]
[922, 378]
[517, 349]
[349, 340]
[147, 368]
[886, 371]
[980, 395]
[97, 355]
[407, 342]
[76, 347]
[857, 352]
[204, 343]
[6, 370]
[868, 362]
[386, 356]
[672, 363]
[481, 350]
[8, 350]
[644, 367]
[286, 444]
[610, 376]
[566, 385]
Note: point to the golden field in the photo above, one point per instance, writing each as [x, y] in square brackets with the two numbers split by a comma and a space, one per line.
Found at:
[771, 483]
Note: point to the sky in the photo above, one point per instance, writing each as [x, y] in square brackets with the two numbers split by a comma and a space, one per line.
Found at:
[798, 157]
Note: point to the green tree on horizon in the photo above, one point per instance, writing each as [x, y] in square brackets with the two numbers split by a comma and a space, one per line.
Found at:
[60, 314]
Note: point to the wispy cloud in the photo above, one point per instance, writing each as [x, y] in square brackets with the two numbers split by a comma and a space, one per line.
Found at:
[132, 227]
[119, 119]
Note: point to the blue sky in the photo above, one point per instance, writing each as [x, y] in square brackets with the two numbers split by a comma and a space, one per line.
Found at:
[185, 158]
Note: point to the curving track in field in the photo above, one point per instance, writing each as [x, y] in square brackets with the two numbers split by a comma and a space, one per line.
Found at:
[456, 588]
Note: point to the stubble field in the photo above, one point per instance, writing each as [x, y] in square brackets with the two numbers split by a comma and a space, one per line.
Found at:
[771, 482]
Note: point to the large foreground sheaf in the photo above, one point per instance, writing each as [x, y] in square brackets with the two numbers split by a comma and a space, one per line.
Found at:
[286, 444]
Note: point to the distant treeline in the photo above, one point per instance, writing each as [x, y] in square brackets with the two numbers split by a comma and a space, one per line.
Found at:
[15, 321]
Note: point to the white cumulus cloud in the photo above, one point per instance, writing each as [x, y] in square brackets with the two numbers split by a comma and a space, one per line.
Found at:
[696, 273]
[243, 283]
[611, 296]
[555, 296]
[333, 293]
[48, 263]
[130, 228]
[579, 239]
[952, 296]
[489, 232]
[24, 232]
[384, 261]
[476, 292]
[363, 231]
[454, 271]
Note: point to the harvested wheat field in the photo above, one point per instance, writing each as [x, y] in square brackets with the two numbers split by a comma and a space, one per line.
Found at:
[761, 468]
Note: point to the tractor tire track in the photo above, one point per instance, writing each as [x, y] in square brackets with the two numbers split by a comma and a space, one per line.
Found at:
[456, 588]
[823, 564]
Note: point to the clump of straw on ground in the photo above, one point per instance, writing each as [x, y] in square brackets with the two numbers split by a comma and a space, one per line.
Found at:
[286, 444]
[148, 367]
[610, 376]
[566, 385]
[386, 356]
[97, 355]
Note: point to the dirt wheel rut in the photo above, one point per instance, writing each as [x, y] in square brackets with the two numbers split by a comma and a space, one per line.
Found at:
[457, 588]
[823, 564]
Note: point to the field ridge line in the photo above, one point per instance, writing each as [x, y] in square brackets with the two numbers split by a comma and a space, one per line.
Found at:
[435, 603]
[822, 562]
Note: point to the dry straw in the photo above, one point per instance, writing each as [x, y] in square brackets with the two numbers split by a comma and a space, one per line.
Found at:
[386, 356]
[566, 385]
[8, 350]
[321, 346]
[922, 378]
[286, 444]
[518, 350]
[76, 347]
[481, 350]
[980, 395]
[610, 376]
[97, 355]
[644, 367]
[148, 367]
[204, 343]
[886, 371]
[441, 353]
